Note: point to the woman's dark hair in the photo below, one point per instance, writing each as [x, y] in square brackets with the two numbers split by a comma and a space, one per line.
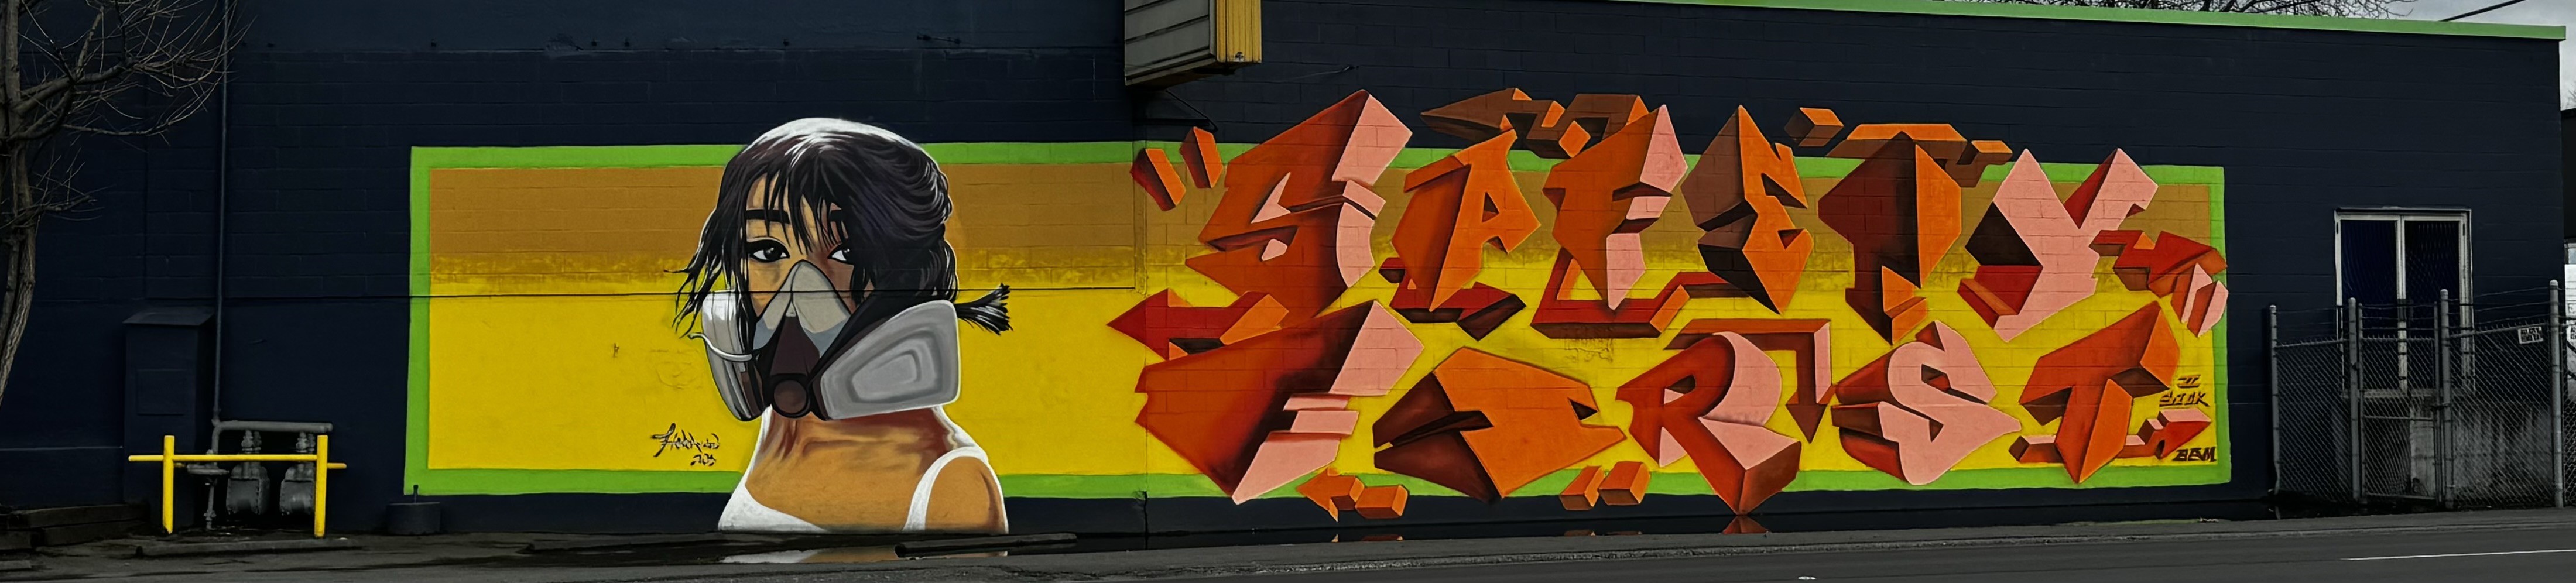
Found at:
[880, 194]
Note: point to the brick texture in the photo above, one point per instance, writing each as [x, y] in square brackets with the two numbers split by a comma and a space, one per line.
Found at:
[330, 98]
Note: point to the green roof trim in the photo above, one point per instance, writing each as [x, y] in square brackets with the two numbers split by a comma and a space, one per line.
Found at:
[2050, 12]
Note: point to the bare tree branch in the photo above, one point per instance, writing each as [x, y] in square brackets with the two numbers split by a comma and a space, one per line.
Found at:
[97, 68]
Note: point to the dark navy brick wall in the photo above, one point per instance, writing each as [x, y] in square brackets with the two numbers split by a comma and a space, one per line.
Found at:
[686, 24]
[2304, 122]
[321, 140]
[2567, 148]
[331, 96]
[62, 416]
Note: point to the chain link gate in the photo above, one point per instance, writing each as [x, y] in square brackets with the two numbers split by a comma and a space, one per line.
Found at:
[2449, 403]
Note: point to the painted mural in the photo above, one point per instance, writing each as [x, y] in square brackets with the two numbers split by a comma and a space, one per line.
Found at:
[1328, 314]
[824, 288]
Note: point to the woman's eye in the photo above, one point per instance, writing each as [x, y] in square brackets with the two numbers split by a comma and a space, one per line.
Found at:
[841, 254]
[765, 251]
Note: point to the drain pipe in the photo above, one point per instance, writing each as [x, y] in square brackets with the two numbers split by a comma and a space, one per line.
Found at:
[223, 228]
[223, 236]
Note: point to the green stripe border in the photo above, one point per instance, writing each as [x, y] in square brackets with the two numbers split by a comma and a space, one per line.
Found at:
[417, 476]
[1667, 483]
[2218, 364]
[416, 392]
[2145, 15]
[691, 156]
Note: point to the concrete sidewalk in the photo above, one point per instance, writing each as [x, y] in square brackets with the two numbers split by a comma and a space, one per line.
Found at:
[498, 557]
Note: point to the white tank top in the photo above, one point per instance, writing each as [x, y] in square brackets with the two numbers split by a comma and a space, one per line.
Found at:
[743, 513]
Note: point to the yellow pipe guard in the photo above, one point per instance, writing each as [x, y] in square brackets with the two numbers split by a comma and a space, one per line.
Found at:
[170, 459]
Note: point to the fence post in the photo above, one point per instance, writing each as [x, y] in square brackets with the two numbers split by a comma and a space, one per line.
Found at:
[2558, 391]
[2272, 383]
[2444, 371]
[2352, 390]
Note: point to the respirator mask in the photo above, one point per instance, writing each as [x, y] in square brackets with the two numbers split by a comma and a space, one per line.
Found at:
[797, 360]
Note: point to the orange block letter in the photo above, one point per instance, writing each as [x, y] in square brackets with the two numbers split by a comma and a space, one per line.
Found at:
[1740, 194]
[1919, 410]
[1460, 204]
[2034, 252]
[1604, 198]
[1485, 425]
[1710, 401]
[1257, 414]
[1295, 218]
[1901, 212]
[2086, 387]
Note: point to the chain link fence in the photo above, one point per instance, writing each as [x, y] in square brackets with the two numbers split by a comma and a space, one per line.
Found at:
[2312, 428]
[2460, 404]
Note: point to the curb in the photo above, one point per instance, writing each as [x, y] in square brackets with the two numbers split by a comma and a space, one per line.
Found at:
[980, 543]
[1735, 550]
[582, 544]
[230, 548]
[1143, 572]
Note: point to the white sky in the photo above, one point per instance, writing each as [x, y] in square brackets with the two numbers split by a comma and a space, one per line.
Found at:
[2558, 12]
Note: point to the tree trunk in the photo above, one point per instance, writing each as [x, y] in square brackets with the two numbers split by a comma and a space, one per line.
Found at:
[137, 49]
[19, 303]
[18, 282]
[18, 289]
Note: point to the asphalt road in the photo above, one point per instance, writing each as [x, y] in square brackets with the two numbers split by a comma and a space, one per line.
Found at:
[2517, 545]
[2487, 555]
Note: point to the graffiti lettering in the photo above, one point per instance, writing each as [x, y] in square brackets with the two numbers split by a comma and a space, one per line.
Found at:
[1258, 394]
[2182, 399]
[1605, 197]
[1810, 344]
[1485, 425]
[1545, 127]
[1294, 221]
[1710, 402]
[2173, 266]
[701, 451]
[2034, 252]
[2168, 430]
[1740, 194]
[1460, 204]
[2087, 386]
[1900, 209]
[1919, 410]
[1174, 328]
[1257, 414]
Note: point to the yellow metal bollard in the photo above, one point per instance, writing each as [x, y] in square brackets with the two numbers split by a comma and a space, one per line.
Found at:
[170, 459]
[321, 481]
[169, 475]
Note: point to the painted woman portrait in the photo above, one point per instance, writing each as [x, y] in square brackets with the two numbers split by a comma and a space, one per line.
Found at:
[826, 292]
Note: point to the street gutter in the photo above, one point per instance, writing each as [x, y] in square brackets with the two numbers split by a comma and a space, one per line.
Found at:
[1349, 556]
